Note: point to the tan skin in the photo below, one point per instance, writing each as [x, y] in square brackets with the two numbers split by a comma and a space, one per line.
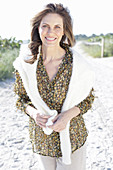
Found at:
[51, 31]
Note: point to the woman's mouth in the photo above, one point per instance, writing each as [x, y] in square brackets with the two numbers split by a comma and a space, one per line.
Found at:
[50, 39]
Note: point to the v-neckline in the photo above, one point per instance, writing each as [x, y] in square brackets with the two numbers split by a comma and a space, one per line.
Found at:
[56, 75]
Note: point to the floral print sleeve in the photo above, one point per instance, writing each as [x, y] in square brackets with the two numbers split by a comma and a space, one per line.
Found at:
[86, 104]
[23, 99]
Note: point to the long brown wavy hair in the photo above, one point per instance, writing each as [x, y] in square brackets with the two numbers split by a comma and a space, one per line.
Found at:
[35, 23]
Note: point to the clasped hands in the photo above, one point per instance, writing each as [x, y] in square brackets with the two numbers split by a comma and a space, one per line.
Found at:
[59, 122]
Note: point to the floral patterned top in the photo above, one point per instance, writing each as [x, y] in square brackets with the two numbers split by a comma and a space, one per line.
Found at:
[54, 93]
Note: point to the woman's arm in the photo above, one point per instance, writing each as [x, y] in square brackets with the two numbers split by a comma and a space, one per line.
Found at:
[86, 104]
[40, 120]
[23, 99]
[24, 104]
[61, 120]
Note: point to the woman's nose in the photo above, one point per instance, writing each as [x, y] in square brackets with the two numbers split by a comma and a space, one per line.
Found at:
[50, 30]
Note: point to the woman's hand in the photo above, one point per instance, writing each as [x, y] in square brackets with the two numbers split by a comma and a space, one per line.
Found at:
[61, 120]
[40, 120]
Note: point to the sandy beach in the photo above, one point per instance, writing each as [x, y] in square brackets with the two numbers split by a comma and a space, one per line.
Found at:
[15, 147]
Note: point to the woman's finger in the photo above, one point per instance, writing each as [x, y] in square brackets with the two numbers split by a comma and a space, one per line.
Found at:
[42, 118]
[58, 126]
[59, 129]
[55, 125]
[43, 122]
[45, 116]
[42, 125]
[55, 119]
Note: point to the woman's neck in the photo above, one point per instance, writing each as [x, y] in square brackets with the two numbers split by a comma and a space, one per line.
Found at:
[50, 53]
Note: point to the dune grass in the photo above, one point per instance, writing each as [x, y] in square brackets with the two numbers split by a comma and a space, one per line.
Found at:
[95, 50]
[6, 62]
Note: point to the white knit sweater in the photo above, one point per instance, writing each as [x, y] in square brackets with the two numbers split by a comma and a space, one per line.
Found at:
[81, 82]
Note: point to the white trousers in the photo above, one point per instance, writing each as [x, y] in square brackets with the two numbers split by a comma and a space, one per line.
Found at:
[78, 159]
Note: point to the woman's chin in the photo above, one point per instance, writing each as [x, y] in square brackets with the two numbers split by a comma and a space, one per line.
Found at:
[51, 44]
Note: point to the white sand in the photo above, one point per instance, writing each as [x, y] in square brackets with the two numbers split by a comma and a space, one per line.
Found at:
[15, 148]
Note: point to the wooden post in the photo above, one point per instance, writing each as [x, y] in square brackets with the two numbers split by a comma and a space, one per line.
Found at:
[102, 48]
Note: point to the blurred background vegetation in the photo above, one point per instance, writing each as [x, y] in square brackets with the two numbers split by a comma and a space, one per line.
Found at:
[92, 44]
[9, 50]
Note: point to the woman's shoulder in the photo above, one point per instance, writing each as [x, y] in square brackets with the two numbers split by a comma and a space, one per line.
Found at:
[77, 55]
[25, 52]
[80, 59]
[82, 64]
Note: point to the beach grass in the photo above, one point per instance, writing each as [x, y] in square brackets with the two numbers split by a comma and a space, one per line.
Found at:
[95, 50]
[7, 57]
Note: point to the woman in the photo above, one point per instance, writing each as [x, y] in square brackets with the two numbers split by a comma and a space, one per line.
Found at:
[55, 89]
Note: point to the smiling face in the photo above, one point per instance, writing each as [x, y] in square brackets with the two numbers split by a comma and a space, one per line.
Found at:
[51, 30]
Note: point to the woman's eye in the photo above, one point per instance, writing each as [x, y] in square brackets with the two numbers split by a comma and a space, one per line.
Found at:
[57, 27]
[44, 26]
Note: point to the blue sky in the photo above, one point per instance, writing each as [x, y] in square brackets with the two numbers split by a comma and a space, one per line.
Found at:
[89, 16]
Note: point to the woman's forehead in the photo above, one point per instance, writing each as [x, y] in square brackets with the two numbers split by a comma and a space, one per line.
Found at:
[52, 18]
